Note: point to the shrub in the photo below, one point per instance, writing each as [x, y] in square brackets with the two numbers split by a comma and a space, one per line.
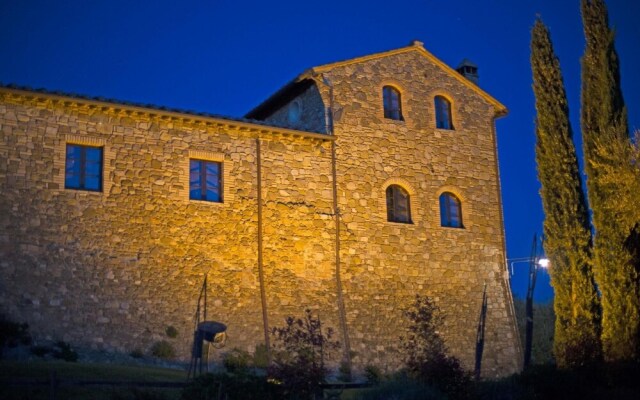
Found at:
[236, 360]
[40, 351]
[401, 389]
[261, 356]
[241, 386]
[426, 355]
[163, 349]
[13, 334]
[63, 351]
[139, 394]
[136, 353]
[300, 348]
[344, 372]
[372, 374]
[171, 332]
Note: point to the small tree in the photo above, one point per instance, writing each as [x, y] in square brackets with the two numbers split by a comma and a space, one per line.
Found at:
[300, 349]
[426, 355]
[605, 131]
[566, 223]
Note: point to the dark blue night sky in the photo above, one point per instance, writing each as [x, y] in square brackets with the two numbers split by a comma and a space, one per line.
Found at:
[225, 57]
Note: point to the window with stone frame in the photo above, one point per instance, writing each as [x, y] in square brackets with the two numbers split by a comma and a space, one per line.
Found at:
[398, 205]
[443, 113]
[450, 211]
[205, 180]
[83, 168]
[391, 103]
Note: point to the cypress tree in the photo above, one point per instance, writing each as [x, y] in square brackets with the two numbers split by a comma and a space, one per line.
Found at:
[566, 225]
[605, 132]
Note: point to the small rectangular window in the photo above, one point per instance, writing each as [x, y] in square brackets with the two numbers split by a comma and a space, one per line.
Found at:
[205, 180]
[83, 168]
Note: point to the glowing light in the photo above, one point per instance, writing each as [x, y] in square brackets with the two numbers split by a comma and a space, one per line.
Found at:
[544, 262]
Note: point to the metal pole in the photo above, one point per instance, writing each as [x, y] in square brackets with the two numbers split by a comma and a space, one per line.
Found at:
[533, 272]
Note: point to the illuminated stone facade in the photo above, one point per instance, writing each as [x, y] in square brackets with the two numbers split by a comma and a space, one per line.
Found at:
[113, 269]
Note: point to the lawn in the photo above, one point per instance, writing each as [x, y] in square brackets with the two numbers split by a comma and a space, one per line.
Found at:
[41, 371]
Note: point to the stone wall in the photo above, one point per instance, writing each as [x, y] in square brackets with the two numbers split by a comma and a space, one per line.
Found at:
[312, 112]
[386, 264]
[112, 270]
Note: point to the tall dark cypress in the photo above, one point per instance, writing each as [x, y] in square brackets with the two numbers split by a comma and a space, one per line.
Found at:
[605, 131]
[566, 225]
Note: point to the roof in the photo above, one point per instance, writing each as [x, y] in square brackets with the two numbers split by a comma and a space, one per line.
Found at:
[155, 109]
[293, 88]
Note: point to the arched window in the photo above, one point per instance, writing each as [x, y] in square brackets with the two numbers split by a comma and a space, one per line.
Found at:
[391, 103]
[398, 205]
[443, 113]
[450, 211]
[295, 110]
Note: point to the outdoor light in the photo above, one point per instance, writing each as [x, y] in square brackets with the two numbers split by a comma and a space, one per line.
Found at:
[535, 262]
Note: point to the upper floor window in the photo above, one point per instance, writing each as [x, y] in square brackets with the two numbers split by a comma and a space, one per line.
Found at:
[83, 168]
[391, 103]
[398, 205]
[205, 180]
[443, 113]
[450, 211]
[295, 111]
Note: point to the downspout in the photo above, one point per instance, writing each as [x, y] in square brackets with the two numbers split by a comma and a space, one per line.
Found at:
[506, 284]
[346, 348]
[263, 293]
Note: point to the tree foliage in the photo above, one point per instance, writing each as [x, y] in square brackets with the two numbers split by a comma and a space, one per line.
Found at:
[426, 355]
[300, 350]
[608, 156]
[543, 332]
[566, 225]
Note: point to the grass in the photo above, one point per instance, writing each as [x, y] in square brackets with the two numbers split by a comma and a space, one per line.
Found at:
[41, 370]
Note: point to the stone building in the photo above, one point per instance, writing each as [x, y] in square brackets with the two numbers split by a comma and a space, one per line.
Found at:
[352, 189]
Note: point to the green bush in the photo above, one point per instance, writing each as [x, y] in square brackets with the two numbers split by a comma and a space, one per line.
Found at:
[225, 385]
[426, 357]
[344, 372]
[13, 334]
[236, 360]
[401, 389]
[300, 349]
[40, 351]
[171, 332]
[136, 353]
[63, 351]
[372, 374]
[163, 349]
[139, 394]
[617, 381]
[261, 356]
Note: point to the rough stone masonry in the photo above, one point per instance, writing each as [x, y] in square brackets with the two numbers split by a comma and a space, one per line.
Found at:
[113, 269]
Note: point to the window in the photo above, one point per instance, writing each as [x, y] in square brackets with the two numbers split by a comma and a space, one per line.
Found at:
[398, 209]
[391, 103]
[450, 211]
[83, 168]
[295, 110]
[205, 180]
[443, 113]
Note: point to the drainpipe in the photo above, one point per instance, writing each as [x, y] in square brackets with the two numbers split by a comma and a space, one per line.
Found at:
[346, 348]
[263, 293]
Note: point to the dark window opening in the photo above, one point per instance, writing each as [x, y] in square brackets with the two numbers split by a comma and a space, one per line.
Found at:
[83, 168]
[205, 180]
[450, 211]
[398, 205]
[391, 103]
[443, 113]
